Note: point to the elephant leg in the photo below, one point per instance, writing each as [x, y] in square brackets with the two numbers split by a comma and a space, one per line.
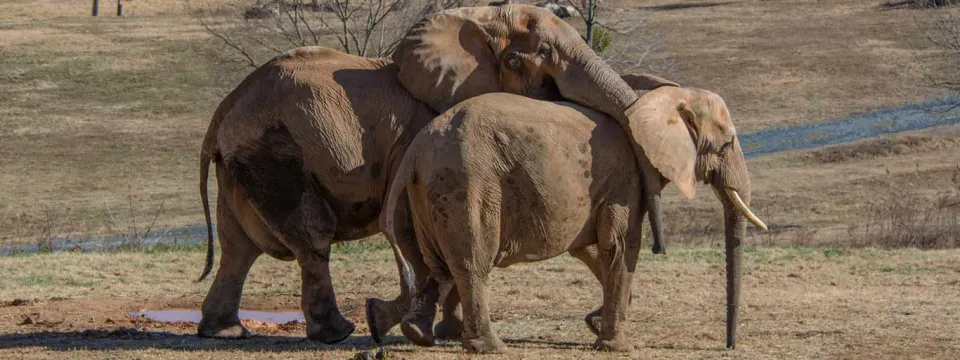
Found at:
[383, 315]
[219, 314]
[590, 256]
[449, 327]
[325, 323]
[289, 201]
[615, 243]
[308, 231]
[417, 324]
[477, 336]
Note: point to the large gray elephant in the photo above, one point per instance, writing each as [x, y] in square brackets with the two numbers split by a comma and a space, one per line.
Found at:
[306, 145]
[501, 179]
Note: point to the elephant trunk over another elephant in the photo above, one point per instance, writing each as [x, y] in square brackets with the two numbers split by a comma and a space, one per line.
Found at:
[305, 146]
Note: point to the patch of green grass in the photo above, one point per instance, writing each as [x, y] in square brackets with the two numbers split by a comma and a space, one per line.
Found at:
[361, 246]
[798, 251]
[833, 252]
[687, 255]
[161, 248]
[35, 280]
[903, 270]
[272, 292]
[168, 248]
[78, 283]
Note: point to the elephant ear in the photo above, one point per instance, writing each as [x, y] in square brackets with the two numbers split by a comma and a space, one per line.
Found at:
[452, 56]
[646, 82]
[661, 122]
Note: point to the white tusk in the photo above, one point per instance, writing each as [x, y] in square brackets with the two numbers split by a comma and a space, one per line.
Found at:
[735, 197]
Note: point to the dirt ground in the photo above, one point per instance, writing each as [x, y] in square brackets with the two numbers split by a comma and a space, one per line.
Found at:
[798, 303]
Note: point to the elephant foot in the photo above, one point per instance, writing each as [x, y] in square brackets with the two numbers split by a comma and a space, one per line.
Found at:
[330, 332]
[418, 331]
[448, 329]
[659, 249]
[618, 344]
[489, 344]
[594, 320]
[381, 317]
[225, 330]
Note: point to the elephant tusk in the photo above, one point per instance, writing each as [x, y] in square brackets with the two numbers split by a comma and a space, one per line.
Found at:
[735, 197]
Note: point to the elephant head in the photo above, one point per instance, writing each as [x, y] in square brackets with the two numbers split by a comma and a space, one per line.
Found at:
[688, 136]
[457, 54]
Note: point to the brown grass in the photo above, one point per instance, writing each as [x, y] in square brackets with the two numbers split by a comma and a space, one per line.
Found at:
[798, 303]
[92, 107]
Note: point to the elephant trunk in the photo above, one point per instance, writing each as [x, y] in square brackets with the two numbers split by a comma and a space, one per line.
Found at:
[589, 81]
[732, 187]
[734, 232]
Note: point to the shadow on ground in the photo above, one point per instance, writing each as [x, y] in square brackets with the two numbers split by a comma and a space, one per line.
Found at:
[133, 339]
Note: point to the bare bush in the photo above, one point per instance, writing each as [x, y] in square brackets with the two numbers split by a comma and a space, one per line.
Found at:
[939, 20]
[132, 232]
[626, 39]
[37, 229]
[251, 34]
[904, 219]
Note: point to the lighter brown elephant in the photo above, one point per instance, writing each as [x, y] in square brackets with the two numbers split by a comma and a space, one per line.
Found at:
[501, 179]
[306, 145]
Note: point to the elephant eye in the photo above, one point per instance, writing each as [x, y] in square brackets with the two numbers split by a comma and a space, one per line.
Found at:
[726, 146]
[545, 50]
[513, 61]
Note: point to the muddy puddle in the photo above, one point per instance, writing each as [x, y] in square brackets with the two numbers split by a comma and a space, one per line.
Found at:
[194, 316]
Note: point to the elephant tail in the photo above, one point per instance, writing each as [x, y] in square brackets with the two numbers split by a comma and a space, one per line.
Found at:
[209, 152]
[207, 155]
[405, 174]
[205, 198]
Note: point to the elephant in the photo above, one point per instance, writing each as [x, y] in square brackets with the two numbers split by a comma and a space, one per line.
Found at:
[305, 146]
[501, 179]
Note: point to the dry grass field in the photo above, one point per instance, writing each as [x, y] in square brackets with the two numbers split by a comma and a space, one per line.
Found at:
[101, 118]
[101, 121]
[798, 303]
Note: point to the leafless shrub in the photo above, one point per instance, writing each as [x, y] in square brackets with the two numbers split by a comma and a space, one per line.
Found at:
[939, 20]
[250, 35]
[899, 221]
[133, 233]
[42, 229]
[627, 40]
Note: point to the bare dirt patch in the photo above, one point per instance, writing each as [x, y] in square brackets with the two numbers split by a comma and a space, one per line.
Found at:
[799, 303]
